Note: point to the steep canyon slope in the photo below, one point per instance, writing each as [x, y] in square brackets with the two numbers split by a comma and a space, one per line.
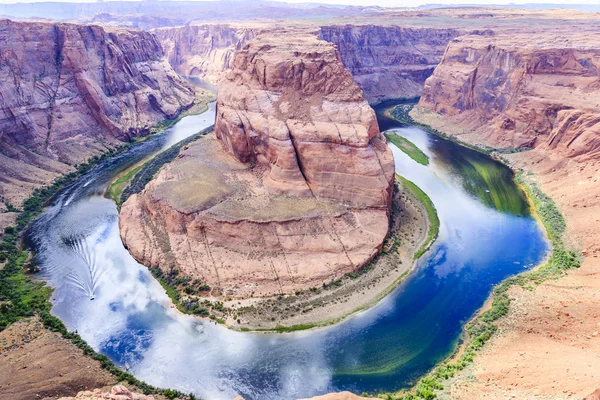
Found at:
[526, 93]
[389, 61]
[68, 92]
[294, 189]
[538, 92]
[205, 51]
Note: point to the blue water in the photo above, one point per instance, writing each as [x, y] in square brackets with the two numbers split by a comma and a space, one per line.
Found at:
[384, 348]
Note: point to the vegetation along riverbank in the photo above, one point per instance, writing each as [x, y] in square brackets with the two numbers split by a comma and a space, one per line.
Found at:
[414, 226]
[408, 148]
[484, 325]
[23, 297]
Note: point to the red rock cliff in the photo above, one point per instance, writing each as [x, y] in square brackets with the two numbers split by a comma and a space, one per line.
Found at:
[519, 91]
[70, 91]
[205, 51]
[292, 107]
[389, 61]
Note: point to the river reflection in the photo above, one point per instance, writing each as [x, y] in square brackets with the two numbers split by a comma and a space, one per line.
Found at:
[131, 319]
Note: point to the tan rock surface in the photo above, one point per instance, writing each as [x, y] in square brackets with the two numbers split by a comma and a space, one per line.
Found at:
[118, 392]
[210, 216]
[71, 91]
[305, 199]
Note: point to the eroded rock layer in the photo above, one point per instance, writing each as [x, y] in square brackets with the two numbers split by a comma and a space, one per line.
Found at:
[292, 191]
[538, 91]
[205, 51]
[68, 92]
[386, 61]
[389, 61]
[522, 92]
[292, 107]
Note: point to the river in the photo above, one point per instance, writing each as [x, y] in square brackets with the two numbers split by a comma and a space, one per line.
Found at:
[114, 303]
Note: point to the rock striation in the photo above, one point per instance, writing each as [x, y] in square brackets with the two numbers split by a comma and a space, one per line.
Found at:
[389, 61]
[205, 51]
[386, 61]
[537, 91]
[118, 392]
[68, 92]
[522, 93]
[292, 107]
[293, 190]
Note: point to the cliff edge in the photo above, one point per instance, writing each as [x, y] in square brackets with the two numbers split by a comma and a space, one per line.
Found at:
[69, 92]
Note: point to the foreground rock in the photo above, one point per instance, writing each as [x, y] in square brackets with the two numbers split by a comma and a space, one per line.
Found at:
[295, 192]
[389, 61]
[118, 392]
[37, 363]
[70, 92]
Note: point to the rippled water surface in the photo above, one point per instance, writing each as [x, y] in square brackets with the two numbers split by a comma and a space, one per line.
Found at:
[486, 234]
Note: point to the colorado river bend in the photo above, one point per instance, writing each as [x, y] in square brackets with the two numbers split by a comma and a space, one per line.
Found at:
[486, 235]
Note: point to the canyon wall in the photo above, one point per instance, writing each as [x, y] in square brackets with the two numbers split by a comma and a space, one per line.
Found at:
[518, 92]
[538, 92]
[68, 92]
[389, 61]
[386, 61]
[293, 190]
[205, 51]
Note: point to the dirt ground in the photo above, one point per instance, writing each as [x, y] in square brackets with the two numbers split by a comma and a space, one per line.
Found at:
[36, 363]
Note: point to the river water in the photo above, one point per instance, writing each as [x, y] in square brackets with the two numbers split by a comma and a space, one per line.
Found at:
[114, 303]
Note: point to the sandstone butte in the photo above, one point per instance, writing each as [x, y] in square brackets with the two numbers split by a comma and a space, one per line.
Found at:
[538, 91]
[292, 191]
[68, 92]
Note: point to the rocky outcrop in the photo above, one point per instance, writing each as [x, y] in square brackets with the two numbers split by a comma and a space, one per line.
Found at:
[292, 191]
[536, 90]
[292, 107]
[205, 51]
[118, 392]
[68, 92]
[386, 61]
[389, 61]
[522, 93]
